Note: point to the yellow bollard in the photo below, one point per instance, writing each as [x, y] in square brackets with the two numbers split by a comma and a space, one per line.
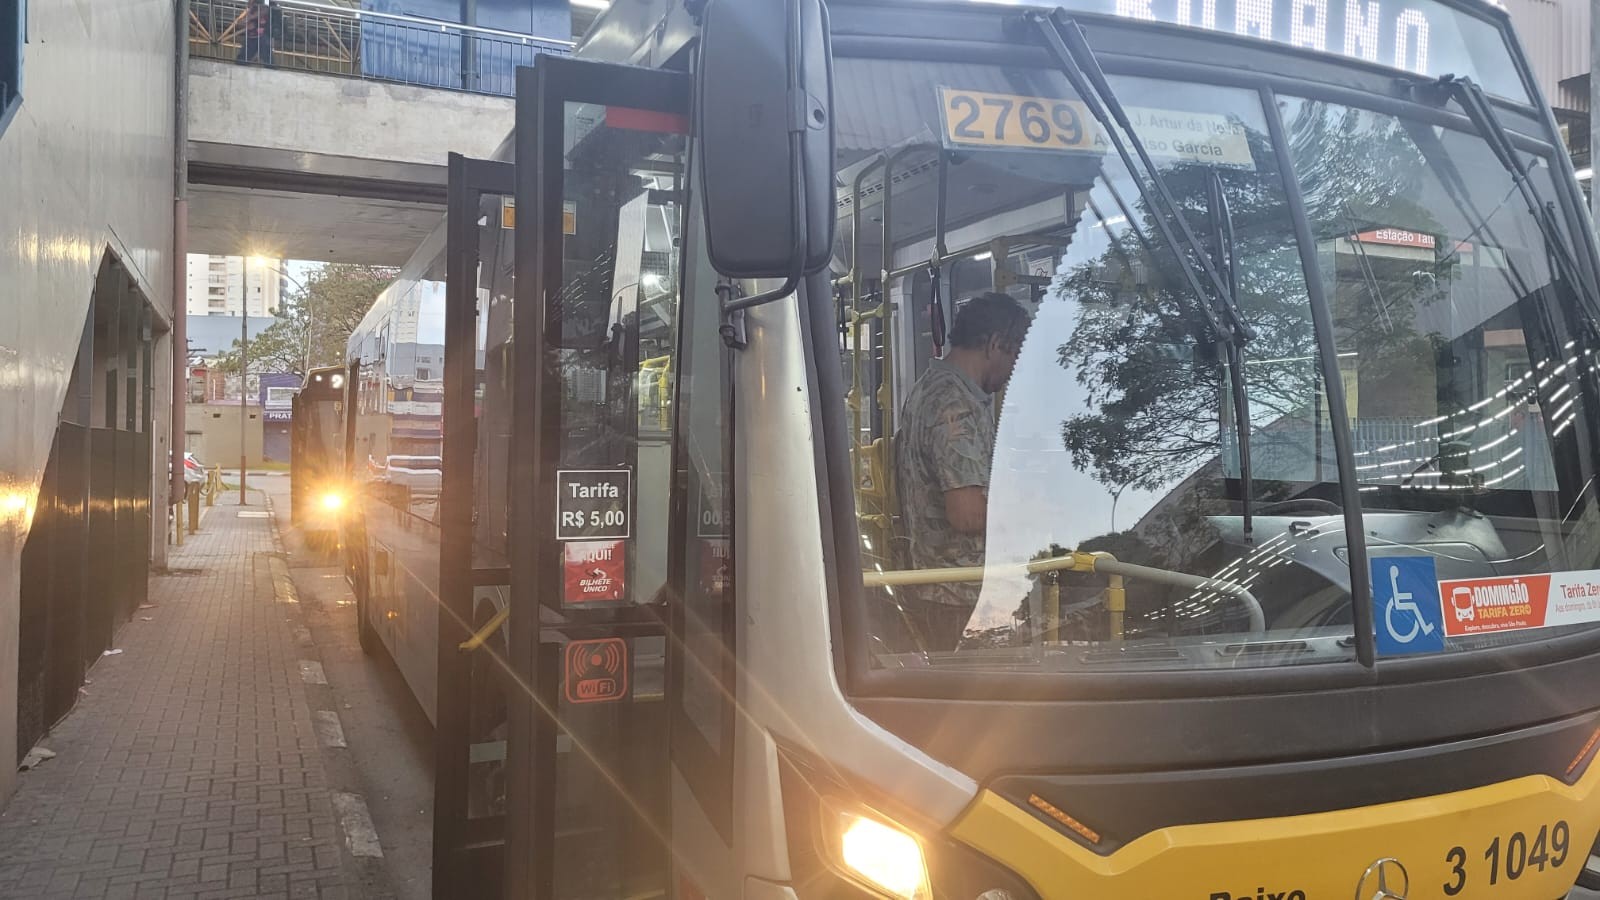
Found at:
[193, 493]
[177, 523]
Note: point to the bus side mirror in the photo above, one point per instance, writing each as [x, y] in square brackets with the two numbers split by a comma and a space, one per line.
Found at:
[764, 118]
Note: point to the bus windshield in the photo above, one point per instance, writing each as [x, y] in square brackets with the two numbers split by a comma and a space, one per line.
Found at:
[325, 437]
[1049, 468]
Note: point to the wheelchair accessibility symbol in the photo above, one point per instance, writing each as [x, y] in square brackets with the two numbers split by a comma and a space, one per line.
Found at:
[1406, 608]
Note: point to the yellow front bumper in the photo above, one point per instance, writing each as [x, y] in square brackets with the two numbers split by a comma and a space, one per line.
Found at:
[1497, 841]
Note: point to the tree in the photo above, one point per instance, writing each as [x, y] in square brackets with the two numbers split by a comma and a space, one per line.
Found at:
[1153, 370]
[327, 308]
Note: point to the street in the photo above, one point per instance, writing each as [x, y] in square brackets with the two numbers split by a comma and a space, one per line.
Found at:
[390, 752]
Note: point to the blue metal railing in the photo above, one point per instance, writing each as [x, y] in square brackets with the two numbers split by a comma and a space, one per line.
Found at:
[344, 40]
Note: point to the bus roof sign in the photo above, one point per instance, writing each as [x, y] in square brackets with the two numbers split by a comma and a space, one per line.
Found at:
[1422, 36]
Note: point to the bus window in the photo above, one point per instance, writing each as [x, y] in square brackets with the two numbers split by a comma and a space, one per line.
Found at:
[1114, 439]
[1467, 366]
[492, 460]
[702, 547]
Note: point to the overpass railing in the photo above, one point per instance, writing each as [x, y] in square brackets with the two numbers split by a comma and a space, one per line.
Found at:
[344, 40]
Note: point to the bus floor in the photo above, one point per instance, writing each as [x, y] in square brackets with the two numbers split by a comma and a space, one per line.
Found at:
[389, 757]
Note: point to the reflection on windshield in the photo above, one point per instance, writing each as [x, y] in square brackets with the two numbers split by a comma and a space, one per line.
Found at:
[1465, 359]
[1110, 526]
[1113, 492]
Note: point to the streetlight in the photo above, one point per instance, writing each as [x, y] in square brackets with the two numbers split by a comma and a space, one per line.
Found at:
[244, 372]
[264, 264]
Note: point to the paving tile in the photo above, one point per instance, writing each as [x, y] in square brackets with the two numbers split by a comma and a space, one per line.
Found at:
[191, 767]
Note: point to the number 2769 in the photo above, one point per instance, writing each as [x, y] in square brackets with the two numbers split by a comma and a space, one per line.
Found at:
[1511, 857]
[998, 119]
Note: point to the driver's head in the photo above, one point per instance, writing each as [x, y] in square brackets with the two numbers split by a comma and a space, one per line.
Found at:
[990, 328]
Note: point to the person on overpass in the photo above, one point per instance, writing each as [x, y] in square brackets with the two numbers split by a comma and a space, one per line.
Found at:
[257, 43]
[942, 456]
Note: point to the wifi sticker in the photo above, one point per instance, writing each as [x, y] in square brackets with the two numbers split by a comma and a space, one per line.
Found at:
[596, 671]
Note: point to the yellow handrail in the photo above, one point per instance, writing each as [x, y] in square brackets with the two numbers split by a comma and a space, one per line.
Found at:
[1079, 561]
[482, 635]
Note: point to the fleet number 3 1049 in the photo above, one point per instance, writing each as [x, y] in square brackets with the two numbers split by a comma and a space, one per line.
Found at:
[1509, 857]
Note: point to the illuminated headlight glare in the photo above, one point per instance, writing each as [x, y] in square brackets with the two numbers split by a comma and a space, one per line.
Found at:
[336, 382]
[333, 501]
[881, 855]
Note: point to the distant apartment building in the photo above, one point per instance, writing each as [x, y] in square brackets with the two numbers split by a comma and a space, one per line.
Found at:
[223, 285]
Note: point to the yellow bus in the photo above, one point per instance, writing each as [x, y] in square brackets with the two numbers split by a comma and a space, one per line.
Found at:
[1284, 574]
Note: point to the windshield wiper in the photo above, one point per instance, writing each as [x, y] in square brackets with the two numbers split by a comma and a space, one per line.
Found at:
[1222, 238]
[1218, 294]
[1077, 61]
[1471, 98]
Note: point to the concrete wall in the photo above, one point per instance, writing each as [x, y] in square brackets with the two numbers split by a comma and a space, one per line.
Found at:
[213, 430]
[276, 109]
[85, 166]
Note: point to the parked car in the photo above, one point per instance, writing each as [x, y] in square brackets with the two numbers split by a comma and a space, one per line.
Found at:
[417, 474]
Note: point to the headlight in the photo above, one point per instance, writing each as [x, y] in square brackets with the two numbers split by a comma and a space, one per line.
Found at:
[841, 845]
[881, 855]
[333, 501]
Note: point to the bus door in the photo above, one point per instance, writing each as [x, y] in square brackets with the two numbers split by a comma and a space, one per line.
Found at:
[601, 165]
[474, 575]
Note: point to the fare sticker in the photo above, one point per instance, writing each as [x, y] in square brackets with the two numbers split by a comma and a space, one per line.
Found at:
[594, 571]
[1519, 602]
[593, 503]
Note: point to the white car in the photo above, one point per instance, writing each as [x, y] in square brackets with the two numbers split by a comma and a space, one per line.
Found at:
[418, 474]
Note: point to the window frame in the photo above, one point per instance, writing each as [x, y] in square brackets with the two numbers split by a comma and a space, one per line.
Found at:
[706, 768]
[13, 40]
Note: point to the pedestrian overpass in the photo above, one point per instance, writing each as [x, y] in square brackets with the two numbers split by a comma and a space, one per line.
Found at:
[331, 144]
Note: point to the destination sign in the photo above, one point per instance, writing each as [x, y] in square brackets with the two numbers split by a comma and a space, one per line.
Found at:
[984, 119]
[1422, 36]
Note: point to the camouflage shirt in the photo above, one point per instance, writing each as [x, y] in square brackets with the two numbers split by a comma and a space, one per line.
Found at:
[946, 441]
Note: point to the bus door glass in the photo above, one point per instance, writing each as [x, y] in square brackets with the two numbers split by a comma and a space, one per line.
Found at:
[598, 248]
[489, 392]
[470, 768]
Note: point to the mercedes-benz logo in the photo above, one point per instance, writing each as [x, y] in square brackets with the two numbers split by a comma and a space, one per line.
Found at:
[1385, 879]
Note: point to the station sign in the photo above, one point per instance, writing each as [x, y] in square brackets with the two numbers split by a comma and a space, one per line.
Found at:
[1398, 237]
[593, 503]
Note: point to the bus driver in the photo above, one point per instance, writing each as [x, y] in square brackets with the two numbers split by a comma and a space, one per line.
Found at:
[942, 456]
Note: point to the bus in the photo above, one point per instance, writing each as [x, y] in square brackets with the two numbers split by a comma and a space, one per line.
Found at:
[1283, 573]
[318, 489]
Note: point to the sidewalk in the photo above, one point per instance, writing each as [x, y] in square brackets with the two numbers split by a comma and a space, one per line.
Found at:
[191, 767]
